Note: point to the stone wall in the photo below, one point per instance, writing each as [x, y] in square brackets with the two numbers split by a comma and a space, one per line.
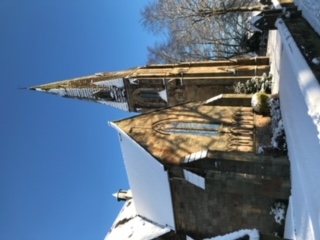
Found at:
[238, 194]
[192, 81]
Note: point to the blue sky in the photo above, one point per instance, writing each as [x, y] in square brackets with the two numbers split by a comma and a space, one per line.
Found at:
[60, 162]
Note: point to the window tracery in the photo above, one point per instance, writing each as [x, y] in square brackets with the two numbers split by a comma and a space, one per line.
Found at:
[190, 128]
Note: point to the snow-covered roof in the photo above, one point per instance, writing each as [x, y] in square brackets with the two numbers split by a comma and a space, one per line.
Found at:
[87, 93]
[149, 182]
[299, 98]
[194, 179]
[120, 105]
[310, 11]
[85, 88]
[276, 4]
[196, 156]
[129, 225]
[308, 83]
[110, 82]
[254, 23]
[215, 98]
[163, 95]
[252, 233]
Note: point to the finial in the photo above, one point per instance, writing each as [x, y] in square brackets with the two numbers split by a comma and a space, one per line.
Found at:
[123, 195]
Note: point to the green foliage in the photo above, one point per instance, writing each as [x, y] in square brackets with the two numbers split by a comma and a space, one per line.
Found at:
[254, 85]
[260, 103]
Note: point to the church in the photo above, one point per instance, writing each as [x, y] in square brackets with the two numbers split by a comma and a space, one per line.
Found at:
[191, 156]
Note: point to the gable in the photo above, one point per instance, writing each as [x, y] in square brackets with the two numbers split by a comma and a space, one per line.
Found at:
[171, 134]
[149, 182]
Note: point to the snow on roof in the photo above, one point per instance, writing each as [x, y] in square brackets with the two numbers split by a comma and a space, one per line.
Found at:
[194, 179]
[308, 83]
[120, 105]
[254, 23]
[133, 80]
[163, 95]
[289, 223]
[85, 93]
[111, 82]
[310, 11]
[74, 92]
[149, 182]
[252, 233]
[129, 225]
[299, 94]
[196, 156]
[215, 98]
[276, 4]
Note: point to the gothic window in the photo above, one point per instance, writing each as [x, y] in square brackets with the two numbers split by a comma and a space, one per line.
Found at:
[149, 95]
[191, 128]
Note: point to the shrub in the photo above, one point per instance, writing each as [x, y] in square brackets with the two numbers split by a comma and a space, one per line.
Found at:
[254, 85]
[260, 103]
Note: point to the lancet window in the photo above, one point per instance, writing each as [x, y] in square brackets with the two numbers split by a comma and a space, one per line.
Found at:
[191, 128]
[149, 95]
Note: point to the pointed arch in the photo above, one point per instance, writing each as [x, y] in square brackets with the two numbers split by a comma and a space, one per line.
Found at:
[185, 127]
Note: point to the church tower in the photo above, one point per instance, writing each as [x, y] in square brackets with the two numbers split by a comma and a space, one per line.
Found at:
[161, 85]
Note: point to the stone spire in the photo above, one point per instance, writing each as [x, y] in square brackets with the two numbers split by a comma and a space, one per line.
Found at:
[105, 88]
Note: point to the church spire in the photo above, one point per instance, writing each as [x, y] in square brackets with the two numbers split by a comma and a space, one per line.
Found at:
[105, 88]
[156, 86]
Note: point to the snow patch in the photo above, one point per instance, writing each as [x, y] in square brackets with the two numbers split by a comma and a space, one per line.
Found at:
[252, 233]
[129, 225]
[278, 211]
[133, 81]
[316, 61]
[278, 140]
[255, 103]
[215, 98]
[111, 82]
[311, 11]
[308, 83]
[163, 95]
[276, 4]
[194, 179]
[253, 23]
[301, 137]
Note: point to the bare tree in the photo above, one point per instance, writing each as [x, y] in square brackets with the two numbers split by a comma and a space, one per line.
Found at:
[197, 29]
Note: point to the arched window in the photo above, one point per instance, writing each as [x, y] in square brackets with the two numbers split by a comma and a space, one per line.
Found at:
[149, 95]
[190, 128]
